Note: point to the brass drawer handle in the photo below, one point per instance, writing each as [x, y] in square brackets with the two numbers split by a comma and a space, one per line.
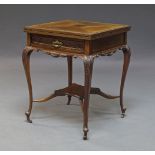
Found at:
[57, 43]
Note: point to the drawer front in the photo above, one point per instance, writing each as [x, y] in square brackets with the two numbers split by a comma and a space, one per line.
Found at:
[57, 43]
[107, 43]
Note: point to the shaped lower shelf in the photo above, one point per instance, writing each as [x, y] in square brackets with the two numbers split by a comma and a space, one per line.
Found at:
[76, 90]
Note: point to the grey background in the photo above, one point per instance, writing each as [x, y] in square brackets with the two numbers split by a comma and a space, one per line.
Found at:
[57, 126]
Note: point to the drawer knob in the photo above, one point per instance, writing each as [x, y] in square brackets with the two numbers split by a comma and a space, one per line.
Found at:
[57, 43]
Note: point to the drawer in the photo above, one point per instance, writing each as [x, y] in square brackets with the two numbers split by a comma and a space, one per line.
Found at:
[70, 45]
[57, 43]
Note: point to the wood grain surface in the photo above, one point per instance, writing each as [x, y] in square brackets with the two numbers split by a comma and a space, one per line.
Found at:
[77, 29]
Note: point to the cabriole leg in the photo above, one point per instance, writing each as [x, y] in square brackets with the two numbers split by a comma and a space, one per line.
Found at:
[26, 63]
[127, 54]
[88, 67]
[69, 60]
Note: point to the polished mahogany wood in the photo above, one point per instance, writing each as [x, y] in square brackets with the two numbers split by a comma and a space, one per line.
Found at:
[26, 62]
[77, 29]
[76, 36]
[82, 39]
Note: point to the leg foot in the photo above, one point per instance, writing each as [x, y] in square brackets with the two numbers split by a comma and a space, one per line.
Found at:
[85, 130]
[123, 113]
[69, 99]
[28, 117]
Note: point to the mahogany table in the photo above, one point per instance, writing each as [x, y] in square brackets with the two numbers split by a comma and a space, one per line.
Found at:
[82, 39]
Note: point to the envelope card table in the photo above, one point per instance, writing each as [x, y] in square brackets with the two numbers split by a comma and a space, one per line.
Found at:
[82, 39]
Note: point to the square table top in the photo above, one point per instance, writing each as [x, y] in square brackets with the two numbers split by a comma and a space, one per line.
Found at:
[77, 29]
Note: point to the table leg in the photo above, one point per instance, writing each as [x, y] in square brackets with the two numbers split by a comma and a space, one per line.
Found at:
[26, 63]
[88, 68]
[127, 54]
[69, 61]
